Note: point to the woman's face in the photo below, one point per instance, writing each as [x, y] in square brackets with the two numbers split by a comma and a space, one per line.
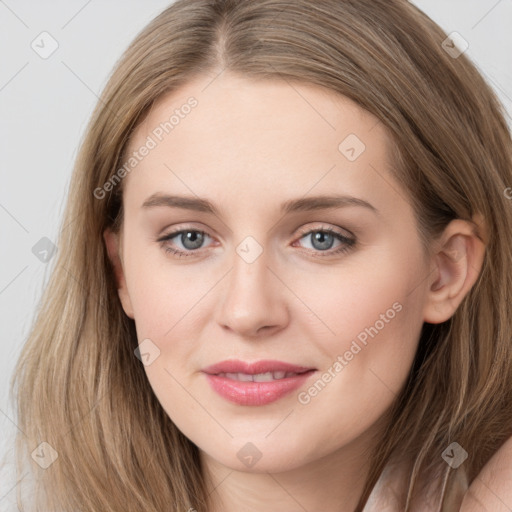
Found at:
[272, 264]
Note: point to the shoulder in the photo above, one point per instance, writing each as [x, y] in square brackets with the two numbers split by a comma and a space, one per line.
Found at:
[491, 490]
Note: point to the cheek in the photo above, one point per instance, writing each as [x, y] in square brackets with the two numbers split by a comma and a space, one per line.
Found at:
[376, 328]
[369, 320]
[163, 293]
[171, 304]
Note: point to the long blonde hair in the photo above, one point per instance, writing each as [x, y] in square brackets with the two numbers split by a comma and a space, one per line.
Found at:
[79, 386]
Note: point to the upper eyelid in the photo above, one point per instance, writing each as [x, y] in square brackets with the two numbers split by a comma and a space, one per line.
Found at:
[302, 231]
[329, 229]
[179, 231]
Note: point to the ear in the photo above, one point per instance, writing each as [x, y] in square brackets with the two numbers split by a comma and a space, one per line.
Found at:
[113, 244]
[457, 259]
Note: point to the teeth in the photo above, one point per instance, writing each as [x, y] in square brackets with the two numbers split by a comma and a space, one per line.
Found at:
[239, 376]
[266, 377]
[259, 377]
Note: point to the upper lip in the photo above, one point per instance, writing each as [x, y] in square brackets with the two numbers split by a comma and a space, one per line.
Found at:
[264, 366]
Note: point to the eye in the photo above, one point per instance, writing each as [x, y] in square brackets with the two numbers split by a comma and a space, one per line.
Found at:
[190, 239]
[322, 240]
[189, 242]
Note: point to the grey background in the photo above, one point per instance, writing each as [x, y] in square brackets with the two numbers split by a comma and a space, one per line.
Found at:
[46, 103]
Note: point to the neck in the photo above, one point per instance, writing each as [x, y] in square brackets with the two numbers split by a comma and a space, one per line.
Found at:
[331, 483]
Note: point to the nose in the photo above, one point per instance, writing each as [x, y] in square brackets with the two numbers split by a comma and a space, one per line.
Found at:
[253, 301]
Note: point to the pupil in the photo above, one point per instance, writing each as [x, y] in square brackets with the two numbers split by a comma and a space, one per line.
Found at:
[321, 237]
[194, 237]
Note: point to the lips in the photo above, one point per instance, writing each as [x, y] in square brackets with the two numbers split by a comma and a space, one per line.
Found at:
[258, 383]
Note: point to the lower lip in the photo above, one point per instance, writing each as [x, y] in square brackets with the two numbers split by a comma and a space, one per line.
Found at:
[256, 393]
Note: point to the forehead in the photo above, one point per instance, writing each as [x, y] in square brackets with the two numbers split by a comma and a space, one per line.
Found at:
[271, 107]
[252, 137]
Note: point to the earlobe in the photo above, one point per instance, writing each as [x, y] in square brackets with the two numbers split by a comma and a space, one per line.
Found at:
[112, 242]
[457, 262]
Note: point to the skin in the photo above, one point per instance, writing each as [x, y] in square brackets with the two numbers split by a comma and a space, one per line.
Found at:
[492, 488]
[247, 147]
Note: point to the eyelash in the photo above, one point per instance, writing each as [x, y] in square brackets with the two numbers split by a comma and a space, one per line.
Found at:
[347, 243]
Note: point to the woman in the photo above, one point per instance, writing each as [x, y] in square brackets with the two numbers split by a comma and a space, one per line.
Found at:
[286, 279]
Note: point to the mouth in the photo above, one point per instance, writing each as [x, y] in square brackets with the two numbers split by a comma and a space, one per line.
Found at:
[260, 377]
[258, 383]
[266, 369]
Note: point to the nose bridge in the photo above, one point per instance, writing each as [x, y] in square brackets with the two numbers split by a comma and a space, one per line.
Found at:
[253, 297]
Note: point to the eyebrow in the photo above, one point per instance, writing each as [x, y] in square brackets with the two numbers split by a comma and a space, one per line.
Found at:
[294, 205]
